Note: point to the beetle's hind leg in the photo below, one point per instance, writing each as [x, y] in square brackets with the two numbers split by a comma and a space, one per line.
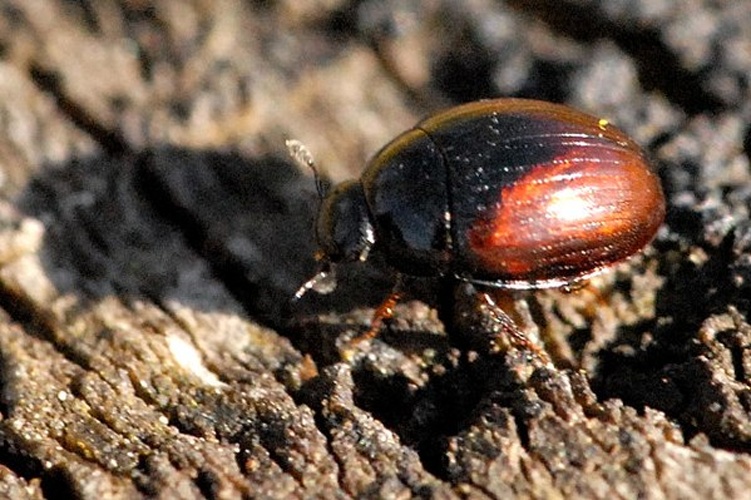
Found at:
[515, 335]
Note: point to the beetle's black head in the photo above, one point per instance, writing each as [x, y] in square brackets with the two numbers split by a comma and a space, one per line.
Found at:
[343, 229]
[344, 233]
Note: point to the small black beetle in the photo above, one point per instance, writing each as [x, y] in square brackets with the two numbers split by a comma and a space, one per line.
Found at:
[506, 193]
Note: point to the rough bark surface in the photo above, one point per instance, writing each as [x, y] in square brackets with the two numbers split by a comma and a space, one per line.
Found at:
[153, 231]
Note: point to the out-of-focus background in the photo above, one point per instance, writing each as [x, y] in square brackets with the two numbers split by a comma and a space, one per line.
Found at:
[153, 231]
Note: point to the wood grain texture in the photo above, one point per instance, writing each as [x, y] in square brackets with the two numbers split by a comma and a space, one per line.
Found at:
[153, 230]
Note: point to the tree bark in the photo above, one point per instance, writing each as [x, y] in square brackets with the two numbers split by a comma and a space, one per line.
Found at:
[153, 232]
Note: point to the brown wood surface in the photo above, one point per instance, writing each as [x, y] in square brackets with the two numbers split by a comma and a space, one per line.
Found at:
[153, 231]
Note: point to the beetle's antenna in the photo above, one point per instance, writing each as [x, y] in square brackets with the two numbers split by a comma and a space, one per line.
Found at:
[304, 158]
[325, 279]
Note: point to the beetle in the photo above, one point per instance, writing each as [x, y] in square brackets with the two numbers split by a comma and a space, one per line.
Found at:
[506, 193]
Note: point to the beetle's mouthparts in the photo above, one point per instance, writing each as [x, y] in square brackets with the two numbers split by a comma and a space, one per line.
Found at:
[323, 282]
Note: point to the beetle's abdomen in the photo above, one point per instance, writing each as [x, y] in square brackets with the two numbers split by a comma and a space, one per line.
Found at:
[581, 215]
[544, 195]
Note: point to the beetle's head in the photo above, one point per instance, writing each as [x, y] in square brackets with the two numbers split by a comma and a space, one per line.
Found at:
[344, 233]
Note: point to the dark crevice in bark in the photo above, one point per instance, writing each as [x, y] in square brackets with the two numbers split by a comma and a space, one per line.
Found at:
[659, 67]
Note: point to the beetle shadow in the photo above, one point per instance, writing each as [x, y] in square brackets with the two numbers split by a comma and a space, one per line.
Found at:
[169, 223]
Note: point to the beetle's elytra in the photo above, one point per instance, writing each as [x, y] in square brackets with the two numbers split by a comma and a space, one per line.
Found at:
[506, 193]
